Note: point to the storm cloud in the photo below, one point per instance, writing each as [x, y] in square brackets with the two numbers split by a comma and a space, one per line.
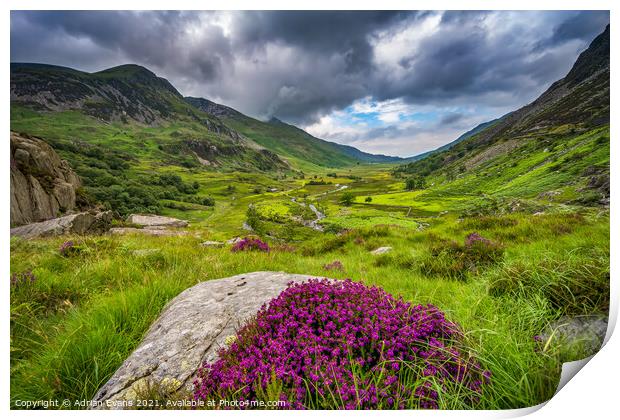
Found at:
[311, 68]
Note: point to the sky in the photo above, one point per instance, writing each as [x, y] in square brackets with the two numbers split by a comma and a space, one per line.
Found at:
[397, 83]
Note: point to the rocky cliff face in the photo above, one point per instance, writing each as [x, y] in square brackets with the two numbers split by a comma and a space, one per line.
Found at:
[43, 186]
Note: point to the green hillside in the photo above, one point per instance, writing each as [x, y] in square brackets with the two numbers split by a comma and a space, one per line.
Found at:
[557, 147]
[289, 141]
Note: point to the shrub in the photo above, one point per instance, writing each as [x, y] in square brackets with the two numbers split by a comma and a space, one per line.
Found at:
[69, 248]
[451, 259]
[250, 244]
[415, 183]
[341, 344]
[334, 265]
[347, 198]
[253, 219]
[576, 283]
[20, 279]
[368, 199]
[207, 201]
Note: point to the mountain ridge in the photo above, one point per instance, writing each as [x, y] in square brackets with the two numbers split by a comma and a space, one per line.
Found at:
[574, 104]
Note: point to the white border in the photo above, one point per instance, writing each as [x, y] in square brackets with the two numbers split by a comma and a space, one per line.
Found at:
[591, 394]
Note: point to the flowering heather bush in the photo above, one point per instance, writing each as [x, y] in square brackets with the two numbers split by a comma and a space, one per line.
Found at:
[250, 244]
[68, 248]
[341, 344]
[334, 265]
[19, 279]
[474, 239]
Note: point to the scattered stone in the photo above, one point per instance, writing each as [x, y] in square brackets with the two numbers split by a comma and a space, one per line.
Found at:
[147, 231]
[234, 240]
[191, 329]
[381, 250]
[538, 213]
[549, 194]
[78, 224]
[153, 220]
[212, 244]
[272, 190]
[247, 227]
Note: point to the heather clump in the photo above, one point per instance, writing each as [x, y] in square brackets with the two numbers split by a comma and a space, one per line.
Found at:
[340, 344]
[23, 278]
[250, 244]
[334, 266]
[69, 248]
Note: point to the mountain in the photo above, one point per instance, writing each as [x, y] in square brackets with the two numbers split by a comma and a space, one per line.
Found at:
[288, 140]
[120, 93]
[560, 137]
[462, 137]
[135, 98]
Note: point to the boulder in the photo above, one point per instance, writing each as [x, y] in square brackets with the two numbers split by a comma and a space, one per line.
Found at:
[381, 250]
[43, 186]
[190, 330]
[585, 330]
[79, 224]
[153, 231]
[152, 220]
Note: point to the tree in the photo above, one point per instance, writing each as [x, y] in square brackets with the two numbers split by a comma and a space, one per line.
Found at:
[415, 183]
[347, 198]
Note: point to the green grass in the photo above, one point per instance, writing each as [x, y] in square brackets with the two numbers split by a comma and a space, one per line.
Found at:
[84, 314]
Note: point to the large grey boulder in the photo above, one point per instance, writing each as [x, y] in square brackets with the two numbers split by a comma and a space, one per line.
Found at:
[43, 186]
[190, 330]
[153, 220]
[78, 224]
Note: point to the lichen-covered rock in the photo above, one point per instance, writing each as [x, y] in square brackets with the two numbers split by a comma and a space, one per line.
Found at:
[79, 224]
[587, 331]
[43, 186]
[190, 330]
[153, 220]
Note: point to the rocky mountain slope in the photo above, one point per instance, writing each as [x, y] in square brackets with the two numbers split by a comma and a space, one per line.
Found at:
[43, 186]
[288, 140]
[131, 94]
[561, 140]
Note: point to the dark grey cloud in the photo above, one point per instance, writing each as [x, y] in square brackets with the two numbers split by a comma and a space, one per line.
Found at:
[301, 66]
[583, 25]
[451, 118]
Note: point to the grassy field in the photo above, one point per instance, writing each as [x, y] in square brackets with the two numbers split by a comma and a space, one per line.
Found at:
[82, 315]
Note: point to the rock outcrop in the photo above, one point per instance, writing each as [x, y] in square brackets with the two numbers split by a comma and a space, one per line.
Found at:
[190, 330]
[78, 224]
[43, 186]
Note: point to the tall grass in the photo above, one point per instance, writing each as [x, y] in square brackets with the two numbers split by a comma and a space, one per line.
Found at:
[84, 314]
